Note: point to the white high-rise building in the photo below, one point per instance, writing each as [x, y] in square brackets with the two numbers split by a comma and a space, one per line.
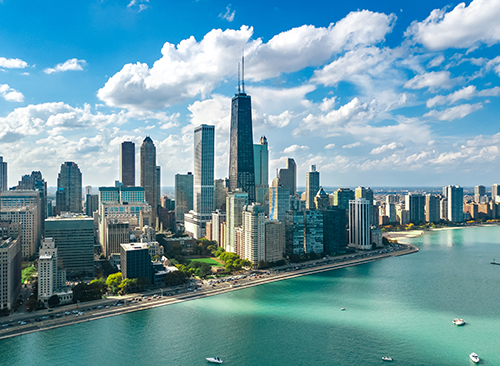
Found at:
[3, 175]
[203, 188]
[359, 223]
[234, 205]
[51, 279]
[254, 234]
[455, 199]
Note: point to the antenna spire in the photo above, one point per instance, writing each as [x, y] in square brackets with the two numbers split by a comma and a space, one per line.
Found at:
[239, 90]
[243, 73]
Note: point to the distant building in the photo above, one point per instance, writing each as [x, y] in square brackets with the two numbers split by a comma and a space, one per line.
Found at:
[294, 232]
[360, 223]
[69, 186]
[220, 194]
[274, 240]
[335, 223]
[367, 193]
[91, 204]
[312, 187]
[261, 164]
[495, 193]
[135, 261]
[3, 176]
[431, 208]
[234, 203]
[253, 225]
[341, 198]
[287, 177]
[183, 195]
[279, 203]
[24, 207]
[218, 217]
[51, 279]
[313, 231]
[455, 197]
[321, 200]
[10, 271]
[415, 204]
[74, 239]
[35, 182]
[127, 164]
[148, 174]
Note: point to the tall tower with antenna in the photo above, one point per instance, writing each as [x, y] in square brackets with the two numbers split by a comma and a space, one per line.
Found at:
[241, 159]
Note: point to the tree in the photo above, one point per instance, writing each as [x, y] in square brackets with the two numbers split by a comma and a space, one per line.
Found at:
[113, 281]
[53, 301]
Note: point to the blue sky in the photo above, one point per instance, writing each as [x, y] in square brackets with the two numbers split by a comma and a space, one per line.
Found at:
[379, 93]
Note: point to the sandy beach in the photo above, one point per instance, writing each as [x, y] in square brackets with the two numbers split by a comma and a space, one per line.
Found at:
[107, 307]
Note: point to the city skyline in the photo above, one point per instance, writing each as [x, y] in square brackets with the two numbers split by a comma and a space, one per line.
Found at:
[361, 90]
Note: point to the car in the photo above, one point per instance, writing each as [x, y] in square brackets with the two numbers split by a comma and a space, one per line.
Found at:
[23, 323]
[99, 307]
[58, 315]
[50, 310]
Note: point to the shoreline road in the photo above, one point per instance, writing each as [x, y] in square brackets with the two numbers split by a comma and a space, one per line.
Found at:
[19, 324]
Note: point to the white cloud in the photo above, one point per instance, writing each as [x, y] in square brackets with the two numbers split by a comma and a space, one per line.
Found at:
[12, 63]
[9, 94]
[329, 146]
[432, 80]
[281, 120]
[295, 148]
[228, 15]
[436, 61]
[465, 93]
[462, 27]
[455, 112]
[138, 4]
[194, 68]
[384, 148]
[352, 145]
[69, 65]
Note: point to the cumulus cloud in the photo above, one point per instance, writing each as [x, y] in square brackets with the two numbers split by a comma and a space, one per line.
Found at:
[384, 148]
[228, 15]
[12, 63]
[69, 65]
[281, 120]
[194, 68]
[295, 148]
[140, 5]
[352, 145]
[453, 113]
[466, 93]
[329, 146]
[462, 27]
[9, 94]
[432, 80]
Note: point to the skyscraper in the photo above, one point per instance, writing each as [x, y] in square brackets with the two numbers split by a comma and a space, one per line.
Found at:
[203, 205]
[495, 192]
[3, 175]
[254, 239]
[241, 160]
[455, 200]
[204, 139]
[127, 164]
[235, 202]
[415, 204]
[148, 172]
[287, 177]
[359, 223]
[261, 159]
[183, 195]
[70, 181]
[35, 182]
[312, 187]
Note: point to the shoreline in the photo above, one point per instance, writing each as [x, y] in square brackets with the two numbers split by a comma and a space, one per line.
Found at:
[288, 273]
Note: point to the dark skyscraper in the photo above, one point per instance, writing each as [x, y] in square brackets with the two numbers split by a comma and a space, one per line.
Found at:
[241, 161]
[148, 172]
[69, 184]
[127, 164]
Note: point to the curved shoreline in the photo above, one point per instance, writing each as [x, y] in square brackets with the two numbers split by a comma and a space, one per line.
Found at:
[207, 291]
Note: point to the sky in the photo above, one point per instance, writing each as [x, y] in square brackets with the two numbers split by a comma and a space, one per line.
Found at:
[385, 93]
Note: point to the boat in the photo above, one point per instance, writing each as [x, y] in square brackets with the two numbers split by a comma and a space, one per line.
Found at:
[474, 358]
[342, 309]
[214, 359]
[387, 358]
[457, 321]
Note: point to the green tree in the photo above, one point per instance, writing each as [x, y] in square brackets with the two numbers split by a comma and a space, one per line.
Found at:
[53, 301]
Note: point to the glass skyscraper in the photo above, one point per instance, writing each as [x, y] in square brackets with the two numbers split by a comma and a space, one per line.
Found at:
[127, 164]
[241, 160]
[148, 172]
[204, 136]
[69, 185]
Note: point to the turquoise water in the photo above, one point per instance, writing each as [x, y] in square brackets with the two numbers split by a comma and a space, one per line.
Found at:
[401, 307]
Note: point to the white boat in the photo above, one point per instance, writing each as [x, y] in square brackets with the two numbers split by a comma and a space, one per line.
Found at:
[474, 358]
[457, 321]
[214, 359]
[342, 309]
[386, 358]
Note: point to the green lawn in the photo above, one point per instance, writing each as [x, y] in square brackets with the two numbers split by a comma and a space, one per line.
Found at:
[210, 261]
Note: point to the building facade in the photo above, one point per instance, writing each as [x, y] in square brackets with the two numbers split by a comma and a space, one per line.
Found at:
[183, 195]
[261, 164]
[51, 279]
[241, 159]
[254, 234]
[10, 271]
[312, 187]
[135, 261]
[69, 186]
[3, 176]
[127, 164]
[148, 173]
[359, 223]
